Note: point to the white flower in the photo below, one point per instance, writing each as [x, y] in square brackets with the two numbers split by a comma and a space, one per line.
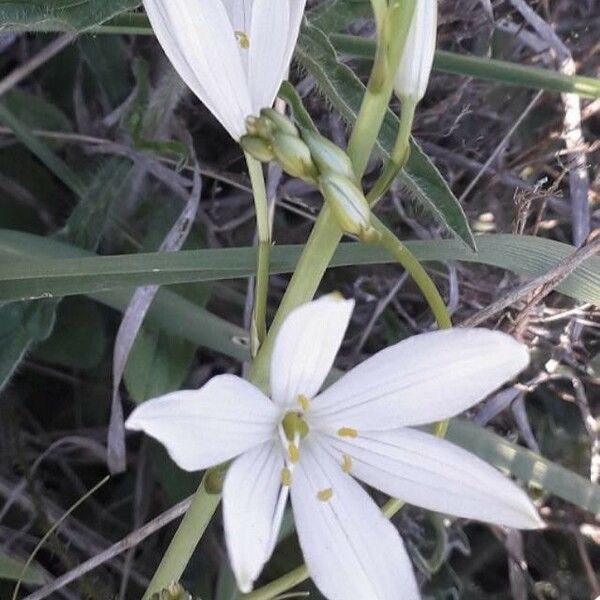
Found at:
[414, 70]
[313, 445]
[233, 54]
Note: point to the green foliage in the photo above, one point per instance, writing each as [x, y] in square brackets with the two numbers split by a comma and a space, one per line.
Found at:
[11, 569]
[158, 364]
[71, 14]
[523, 255]
[344, 90]
[26, 324]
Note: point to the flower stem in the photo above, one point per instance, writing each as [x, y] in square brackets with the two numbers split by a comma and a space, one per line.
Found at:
[399, 154]
[258, 329]
[419, 275]
[279, 586]
[188, 534]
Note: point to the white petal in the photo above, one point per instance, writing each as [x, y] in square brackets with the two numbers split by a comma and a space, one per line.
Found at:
[306, 346]
[435, 474]
[199, 40]
[350, 548]
[240, 14]
[296, 14]
[251, 496]
[423, 379]
[414, 70]
[202, 428]
[268, 48]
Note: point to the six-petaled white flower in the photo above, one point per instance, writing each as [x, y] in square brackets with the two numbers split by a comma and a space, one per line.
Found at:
[233, 54]
[315, 445]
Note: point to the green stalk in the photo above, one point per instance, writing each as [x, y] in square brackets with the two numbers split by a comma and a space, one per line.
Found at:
[188, 534]
[419, 275]
[489, 69]
[326, 235]
[258, 329]
[399, 154]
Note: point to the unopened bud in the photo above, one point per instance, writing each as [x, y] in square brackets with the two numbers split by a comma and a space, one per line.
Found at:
[281, 122]
[257, 147]
[415, 65]
[328, 157]
[260, 127]
[349, 206]
[294, 157]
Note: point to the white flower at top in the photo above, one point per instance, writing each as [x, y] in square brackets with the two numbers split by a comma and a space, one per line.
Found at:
[415, 66]
[315, 446]
[233, 54]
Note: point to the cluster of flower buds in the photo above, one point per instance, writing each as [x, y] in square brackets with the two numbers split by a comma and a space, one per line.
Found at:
[305, 154]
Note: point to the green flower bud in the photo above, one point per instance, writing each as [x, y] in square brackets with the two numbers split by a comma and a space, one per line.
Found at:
[349, 206]
[328, 157]
[294, 157]
[281, 122]
[260, 127]
[257, 147]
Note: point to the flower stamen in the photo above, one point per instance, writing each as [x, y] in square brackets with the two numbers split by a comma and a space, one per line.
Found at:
[286, 477]
[346, 463]
[243, 39]
[325, 495]
[304, 403]
[347, 432]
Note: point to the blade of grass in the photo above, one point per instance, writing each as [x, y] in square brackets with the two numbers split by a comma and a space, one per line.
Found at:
[32, 266]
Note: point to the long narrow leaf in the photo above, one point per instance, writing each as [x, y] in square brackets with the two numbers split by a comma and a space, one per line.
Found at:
[33, 267]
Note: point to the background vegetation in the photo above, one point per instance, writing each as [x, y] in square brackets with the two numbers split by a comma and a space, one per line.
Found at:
[102, 148]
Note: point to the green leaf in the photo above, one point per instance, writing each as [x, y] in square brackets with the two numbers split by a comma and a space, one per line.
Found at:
[42, 151]
[345, 91]
[78, 339]
[526, 465]
[70, 14]
[11, 568]
[87, 221]
[338, 15]
[36, 112]
[31, 266]
[108, 60]
[158, 364]
[26, 324]
[22, 325]
[489, 69]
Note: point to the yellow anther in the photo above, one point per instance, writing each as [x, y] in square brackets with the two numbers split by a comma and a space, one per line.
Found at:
[286, 477]
[304, 402]
[347, 432]
[243, 39]
[325, 495]
[346, 464]
[293, 453]
[337, 296]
